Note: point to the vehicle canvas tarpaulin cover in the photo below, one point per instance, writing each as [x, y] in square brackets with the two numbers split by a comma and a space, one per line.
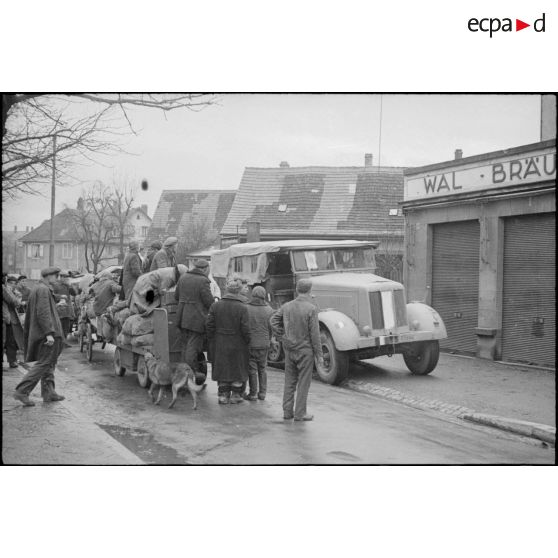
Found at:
[220, 259]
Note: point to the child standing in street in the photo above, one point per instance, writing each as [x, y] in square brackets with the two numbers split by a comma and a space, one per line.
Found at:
[259, 313]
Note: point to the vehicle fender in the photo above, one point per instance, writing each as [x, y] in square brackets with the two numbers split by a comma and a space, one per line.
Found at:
[422, 317]
[343, 330]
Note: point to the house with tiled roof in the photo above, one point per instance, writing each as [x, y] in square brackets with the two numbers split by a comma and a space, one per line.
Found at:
[321, 202]
[69, 250]
[187, 213]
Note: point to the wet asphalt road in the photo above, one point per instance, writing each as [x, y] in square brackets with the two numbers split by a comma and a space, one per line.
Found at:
[349, 427]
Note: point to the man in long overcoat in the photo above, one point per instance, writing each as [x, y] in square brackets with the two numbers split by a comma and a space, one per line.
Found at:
[11, 326]
[131, 268]
[43, 340]
[194, 297]
[228, 332]
[165, 257]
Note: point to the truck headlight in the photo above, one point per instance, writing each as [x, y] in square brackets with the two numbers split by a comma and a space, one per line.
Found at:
[367, 331]
[415, 324]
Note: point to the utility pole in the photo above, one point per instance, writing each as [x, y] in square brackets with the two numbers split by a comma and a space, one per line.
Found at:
[52, 204]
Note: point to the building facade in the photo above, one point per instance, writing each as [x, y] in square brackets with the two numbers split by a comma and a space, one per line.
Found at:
[69, 250]
[480, 248]
[354, 203]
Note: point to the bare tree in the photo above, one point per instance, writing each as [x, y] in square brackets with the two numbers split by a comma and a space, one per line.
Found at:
[84, 126]
[95, 224]
[121, 201]
[196, 235]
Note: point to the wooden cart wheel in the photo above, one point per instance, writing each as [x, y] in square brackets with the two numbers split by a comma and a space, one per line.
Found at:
[119, 370]
[143, 376]
[89, 342]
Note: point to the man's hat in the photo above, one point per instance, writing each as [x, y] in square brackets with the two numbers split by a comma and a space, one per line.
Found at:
[258, 292]
[22, 277]
[156, 245]
[133, 245]
[50, 271]
[201, 264]
[10, 278]
[171, 241]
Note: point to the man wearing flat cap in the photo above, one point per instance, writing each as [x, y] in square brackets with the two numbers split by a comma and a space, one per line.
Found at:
[151, 251]
[43, 340]
[63, 291]
[194, 297]
[165, 257]
[131, 268]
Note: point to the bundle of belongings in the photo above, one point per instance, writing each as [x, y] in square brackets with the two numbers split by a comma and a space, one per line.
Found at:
[147, 294]
[138, 331]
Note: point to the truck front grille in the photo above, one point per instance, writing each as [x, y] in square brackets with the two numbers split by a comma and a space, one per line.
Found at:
[388, 307]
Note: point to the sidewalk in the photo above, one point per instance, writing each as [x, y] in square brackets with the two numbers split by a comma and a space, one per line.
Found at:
[492, 393]
[54, 433]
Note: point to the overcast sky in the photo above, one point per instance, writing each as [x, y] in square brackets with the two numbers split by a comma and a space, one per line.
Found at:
[211, 148]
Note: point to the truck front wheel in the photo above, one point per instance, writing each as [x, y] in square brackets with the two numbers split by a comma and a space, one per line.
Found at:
[336, 363]
[423, 357]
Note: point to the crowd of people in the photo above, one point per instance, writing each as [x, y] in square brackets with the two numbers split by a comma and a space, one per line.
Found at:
[235, 329]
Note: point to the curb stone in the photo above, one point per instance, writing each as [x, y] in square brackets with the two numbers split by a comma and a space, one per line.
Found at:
[541, 432]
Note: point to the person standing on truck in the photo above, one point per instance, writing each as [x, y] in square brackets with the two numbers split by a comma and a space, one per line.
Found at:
[259, 313]
[131, 268]
[151, 251]
[194, 297]
[297, 323]
[165, 257]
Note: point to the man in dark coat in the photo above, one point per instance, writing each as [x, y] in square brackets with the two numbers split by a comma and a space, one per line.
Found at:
[63, 291]
[259, 313]
[297, 323]
[43, 340]
[11, 326]
[165, 257]
[194, 297]
[131, 269]
[228, 332]
[151, 251]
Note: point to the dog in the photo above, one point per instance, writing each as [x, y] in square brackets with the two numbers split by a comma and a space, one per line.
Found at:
[177, 375]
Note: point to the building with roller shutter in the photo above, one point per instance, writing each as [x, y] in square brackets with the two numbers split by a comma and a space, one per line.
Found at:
[351, 203]
[480, 247]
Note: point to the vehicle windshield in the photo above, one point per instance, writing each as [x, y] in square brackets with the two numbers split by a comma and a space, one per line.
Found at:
[326, 260]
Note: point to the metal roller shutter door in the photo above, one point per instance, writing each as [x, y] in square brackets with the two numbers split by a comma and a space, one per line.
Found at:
[455, 282]
[529, 297]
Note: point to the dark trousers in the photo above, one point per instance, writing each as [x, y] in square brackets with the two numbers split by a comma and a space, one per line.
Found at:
[299, 366]
[225, 388]
[10, 344]
[66, 326]
[192, 343]
[256, 372]
[42, 371]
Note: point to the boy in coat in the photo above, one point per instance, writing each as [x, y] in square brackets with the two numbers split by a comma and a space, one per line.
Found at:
[11, 326]
[43, 340]
[259, 313]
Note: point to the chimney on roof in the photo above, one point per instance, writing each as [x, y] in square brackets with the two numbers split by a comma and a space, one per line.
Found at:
[284, 164]
[368, 159]
[15, 228]
[144, 208]
[458, 154]
[252, 231]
